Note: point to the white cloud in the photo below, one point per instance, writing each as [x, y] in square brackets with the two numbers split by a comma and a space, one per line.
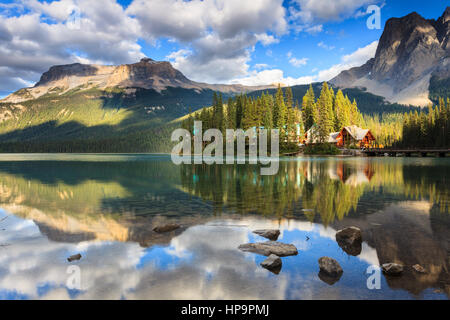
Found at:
[314, 29]
[324, 10]
[298, 62]
[190, 20]
[260, 66]
[220, 34]
[216, 38]
[266, 39]
[228, 58]
[276, 76]
[217, 34]
[309, 15]
[362, 55]
[32, 42]
[321, 44]
[355, 59]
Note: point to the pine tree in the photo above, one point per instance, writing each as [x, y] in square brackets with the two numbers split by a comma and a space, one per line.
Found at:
[309, 109]
[341, 111]
[239, 111]
[325, 122]
[231, 114]
[280, 113]
[266, 112]
[291, 117]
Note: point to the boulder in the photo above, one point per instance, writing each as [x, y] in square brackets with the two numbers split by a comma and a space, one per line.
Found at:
[272, 263]
[349, 235]
[268, 234]
[330, 267]
[330, 280]
[392, 269]
[75, 257]
[270, 247]
[419, 269]
[166, 228]
[350, 240]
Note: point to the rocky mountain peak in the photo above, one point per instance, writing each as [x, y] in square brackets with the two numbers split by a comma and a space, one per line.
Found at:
[446, 16]
[411, 50]
[56, 73]
[147, 60]
[146, 74]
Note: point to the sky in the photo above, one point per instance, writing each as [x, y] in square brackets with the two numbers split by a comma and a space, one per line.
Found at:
[252, 42]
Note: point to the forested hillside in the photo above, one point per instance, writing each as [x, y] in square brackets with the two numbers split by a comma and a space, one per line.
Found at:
[439, 88]
[141, 120]
[113, 120]
[330, 112]
[368, 104]
[428, 129]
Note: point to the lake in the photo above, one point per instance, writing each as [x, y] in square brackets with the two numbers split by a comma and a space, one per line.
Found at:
[106, 206]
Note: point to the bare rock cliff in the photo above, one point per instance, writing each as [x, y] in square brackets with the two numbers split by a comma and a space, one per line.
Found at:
[410, 51]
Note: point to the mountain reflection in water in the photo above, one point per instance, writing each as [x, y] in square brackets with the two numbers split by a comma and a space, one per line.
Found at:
[106, 206]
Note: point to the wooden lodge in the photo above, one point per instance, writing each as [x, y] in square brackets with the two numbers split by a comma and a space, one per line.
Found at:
[348, 136]
[353, 135]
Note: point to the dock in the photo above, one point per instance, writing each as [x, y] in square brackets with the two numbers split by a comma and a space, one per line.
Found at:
[406, 152]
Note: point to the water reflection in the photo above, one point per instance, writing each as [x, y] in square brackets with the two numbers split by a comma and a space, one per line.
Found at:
[107, 207]
[330, 189]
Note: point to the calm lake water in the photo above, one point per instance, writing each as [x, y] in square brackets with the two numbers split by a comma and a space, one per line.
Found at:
[106, 206]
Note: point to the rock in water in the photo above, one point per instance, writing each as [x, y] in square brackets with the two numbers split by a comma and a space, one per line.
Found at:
[268, 234]
[350, 240]
[74, 258]
[349, 235]
[392, 269]
[272, 263]
[418, 268]
[330, 267]
[270, 247]
[329, 279]
[167, 228]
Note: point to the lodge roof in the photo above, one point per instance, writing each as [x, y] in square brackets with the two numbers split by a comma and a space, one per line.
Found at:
[356, 132]
[313, 136]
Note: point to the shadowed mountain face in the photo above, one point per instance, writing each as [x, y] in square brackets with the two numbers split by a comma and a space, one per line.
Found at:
[410, 52]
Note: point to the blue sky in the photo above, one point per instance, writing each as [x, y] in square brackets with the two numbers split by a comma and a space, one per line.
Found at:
[253, 42]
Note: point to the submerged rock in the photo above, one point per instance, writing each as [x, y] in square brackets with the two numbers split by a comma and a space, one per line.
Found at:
[167, 228]
[268, 234]
[350, 240]
[273, 263]
[270, 247]
[330, 267]
[419, 269]
[75, 257]
[392, 269]
[330, 280]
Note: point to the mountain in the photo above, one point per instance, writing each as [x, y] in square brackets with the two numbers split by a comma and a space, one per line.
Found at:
[92, 108]
[146, 74]
[411, 63]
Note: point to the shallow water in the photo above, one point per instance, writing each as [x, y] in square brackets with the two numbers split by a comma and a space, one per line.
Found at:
[105, 207]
